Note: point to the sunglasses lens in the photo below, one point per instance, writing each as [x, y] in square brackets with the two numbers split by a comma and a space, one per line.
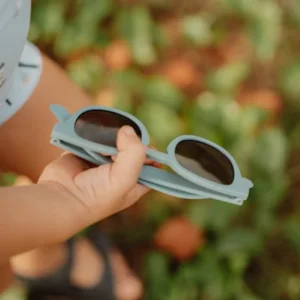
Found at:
[205, 161]
[102, 126]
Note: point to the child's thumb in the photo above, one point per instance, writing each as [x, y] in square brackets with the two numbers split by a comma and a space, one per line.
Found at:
[129, 161]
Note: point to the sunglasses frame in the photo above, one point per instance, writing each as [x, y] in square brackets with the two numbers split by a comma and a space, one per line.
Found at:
[183, 184]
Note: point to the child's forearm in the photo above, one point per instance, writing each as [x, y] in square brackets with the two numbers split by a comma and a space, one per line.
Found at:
[6, 277]
[33, 124]
[36, 215]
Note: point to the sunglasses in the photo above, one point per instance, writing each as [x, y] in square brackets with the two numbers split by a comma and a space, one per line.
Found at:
[201, 169]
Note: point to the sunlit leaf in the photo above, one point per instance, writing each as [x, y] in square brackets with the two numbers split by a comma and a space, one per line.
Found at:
[90, 14]
[86, 72]
[197, 30]
[228, 78]
[160, 90]
[270, 153]
[265, 29]
[289, 82]
[136, 25]
[48, 18]
[162, 122]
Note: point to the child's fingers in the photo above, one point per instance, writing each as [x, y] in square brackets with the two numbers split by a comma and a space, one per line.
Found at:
[67, 164]
[134, 195]
[148, 161]
[128, 164]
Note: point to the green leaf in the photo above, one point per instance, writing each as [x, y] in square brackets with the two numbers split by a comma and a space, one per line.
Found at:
[238, 262]
[230, 122]
[292, 232]
[102, 41]
[294, 12]
[184, 283]
[160, 39]
[245, 8]
[73, 38]
[7, 179]
[196, 29]
[136, 26]
[48, 18]
[292, 283]
[204, 115]
[264, 219]
[212, 215]
[124, 101]
[142, 40]
[210, 275]
[157, 276]
[289, 82]
[81, 31]
[227, 79]
[270, 153]
[269, 197]
[294, 137]
[157, 119]
[199, 213]
[91, 13]
[87, 72]
[268, 193]
[252, 118]
[34, 34]
[242, 150]
[265, 29]
[239, 240]
[160, 90]
[130, 80]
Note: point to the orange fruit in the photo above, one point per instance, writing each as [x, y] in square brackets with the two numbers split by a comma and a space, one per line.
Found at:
[117, 55]
[181, 72]
[264, 98]
[179, 237]
[105, 97]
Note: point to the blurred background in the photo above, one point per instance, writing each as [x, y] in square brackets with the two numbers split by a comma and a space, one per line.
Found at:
[227, 70]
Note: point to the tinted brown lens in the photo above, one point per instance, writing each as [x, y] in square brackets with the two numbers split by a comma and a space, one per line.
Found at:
[102, 126]
[205, 161]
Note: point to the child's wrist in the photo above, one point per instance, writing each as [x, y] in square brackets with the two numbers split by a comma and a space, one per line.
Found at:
[74, 214]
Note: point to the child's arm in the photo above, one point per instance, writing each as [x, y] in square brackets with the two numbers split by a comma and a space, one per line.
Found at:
[69, 197]
[35, 215]
[33, 123]
[6, 275]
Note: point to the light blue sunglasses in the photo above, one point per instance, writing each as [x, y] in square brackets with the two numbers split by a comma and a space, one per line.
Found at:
[201, 168]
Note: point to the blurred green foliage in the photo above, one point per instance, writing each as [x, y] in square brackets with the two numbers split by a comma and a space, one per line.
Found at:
[232, 46]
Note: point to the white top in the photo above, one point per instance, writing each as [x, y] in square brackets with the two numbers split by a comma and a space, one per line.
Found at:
[20, 61]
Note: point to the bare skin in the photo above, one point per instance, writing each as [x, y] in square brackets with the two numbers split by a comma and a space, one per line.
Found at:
[25, 149]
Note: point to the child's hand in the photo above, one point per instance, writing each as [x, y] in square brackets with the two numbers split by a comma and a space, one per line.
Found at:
[104, 190]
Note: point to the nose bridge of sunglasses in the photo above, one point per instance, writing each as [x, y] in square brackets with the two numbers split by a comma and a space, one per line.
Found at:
[60, 112]
[158, 156]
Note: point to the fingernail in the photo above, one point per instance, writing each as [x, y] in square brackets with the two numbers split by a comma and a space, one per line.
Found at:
[129, 130]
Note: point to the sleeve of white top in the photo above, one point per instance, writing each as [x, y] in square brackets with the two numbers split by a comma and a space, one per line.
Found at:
[26, 77]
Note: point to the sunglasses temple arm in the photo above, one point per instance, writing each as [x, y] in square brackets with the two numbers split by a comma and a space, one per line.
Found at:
[157, 156]
[60, 112]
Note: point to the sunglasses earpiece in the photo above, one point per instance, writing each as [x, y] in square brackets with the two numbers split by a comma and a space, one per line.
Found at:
[247, 183]
[60, 112]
